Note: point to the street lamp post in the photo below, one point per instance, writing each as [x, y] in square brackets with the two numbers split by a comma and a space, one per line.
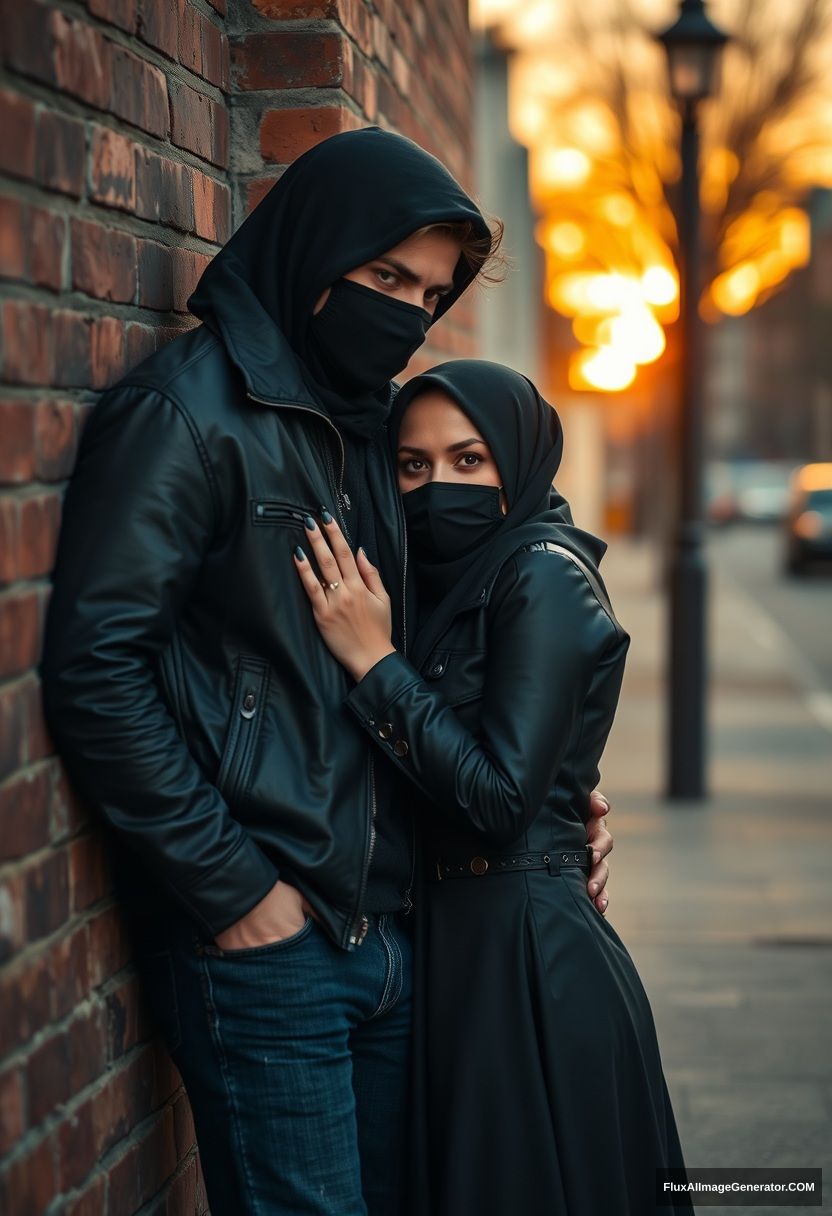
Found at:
[692, 44]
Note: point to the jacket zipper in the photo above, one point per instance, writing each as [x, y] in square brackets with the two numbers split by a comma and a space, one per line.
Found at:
[341, 498]
[360, 923]
[408, 902]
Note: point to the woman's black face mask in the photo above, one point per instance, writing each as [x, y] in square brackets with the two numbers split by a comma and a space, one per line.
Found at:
[447, 519]
[362, 338]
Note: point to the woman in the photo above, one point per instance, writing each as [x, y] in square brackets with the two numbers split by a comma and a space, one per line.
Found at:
[535, 1029]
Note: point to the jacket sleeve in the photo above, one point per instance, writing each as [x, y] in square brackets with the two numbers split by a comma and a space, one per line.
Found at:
[546, 634]
[139, 516]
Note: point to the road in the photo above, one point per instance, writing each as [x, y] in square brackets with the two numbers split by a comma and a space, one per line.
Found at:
[793, 615]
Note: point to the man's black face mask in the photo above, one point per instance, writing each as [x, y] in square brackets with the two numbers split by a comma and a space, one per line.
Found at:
[362, 338]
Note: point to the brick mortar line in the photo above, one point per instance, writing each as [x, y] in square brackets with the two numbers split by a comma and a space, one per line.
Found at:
[75, 301]
[26, 861]
[91, 211]
[31, 950]
[150, 1208]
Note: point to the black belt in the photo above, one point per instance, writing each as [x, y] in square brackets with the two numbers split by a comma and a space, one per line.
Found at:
[509, 863]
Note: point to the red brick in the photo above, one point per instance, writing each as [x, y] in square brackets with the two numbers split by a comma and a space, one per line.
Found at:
[48, 1069]
[68, 813]
[128, 1019]
[220, 132]
[212, 208]
[47, 894]
[353, 15]
[56, 439]
[194, 120]
[30, 1182]
[19, 631]
[287, 59]
[183, 1122]
[141, 340]
[89, 873]
[24, 814]
[28, 40]
[82, 58]
[214, 54]
[103, 261]
[158, 25]
[9, 540]
[17, 429]
[285, 134]
[77, 1150]
[59, 153]
[39, 742]
[109, 947]
[125, 1099]
[71, 341]
[12, 914]
[257, 189]
[91, 1201]
[28, 347]
[12, 732]
[155, 275]
[189, 266]
[107, 336]
[67, 966]
[14, 238]
[17, 147]
[190, 40]
[87, 1038]
[122, 13]
[24, 999]
[40, 519]
[139, 92]
[143, 1169]
[112, 169]
[47, 235]
[11, 1109]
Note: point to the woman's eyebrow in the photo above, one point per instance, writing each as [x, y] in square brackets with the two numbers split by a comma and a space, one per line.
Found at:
[454, 447]
[410, 276]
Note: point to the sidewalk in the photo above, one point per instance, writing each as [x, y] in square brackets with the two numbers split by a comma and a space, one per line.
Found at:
[725, 904]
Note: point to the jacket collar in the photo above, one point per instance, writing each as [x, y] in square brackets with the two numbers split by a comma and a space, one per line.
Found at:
[267, 363]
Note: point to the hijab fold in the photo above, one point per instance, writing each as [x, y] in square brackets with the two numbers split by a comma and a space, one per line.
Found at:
[525, 436]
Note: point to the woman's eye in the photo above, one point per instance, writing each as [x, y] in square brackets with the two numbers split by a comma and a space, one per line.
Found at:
[413, 465]
[471, 460]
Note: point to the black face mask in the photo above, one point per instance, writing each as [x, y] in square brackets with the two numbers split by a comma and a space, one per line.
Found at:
[362, 338]
[446, 520]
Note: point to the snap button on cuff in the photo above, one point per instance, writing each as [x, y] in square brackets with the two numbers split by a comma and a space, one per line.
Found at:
[385, 730]
[400, 747]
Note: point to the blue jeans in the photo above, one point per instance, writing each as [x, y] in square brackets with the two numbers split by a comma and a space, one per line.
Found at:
[296, 1060]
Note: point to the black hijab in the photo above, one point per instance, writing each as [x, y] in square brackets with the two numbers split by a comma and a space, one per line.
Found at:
[341, 204]
[525, 436]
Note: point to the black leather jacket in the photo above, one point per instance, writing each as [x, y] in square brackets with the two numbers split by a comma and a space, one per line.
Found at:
[503, 725]
[185, 682]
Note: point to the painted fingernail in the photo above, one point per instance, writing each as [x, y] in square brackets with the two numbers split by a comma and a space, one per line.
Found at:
[325, 516]
[299, 554]
[309, 523]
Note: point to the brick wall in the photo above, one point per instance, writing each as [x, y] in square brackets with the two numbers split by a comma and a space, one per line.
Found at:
[135, 134]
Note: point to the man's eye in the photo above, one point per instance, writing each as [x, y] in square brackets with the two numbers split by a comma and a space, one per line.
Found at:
[387, 277]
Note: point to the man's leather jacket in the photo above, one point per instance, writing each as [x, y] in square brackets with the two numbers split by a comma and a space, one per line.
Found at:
[185, 682]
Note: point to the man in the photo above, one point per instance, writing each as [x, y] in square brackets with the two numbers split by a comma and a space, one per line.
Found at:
[259, 841]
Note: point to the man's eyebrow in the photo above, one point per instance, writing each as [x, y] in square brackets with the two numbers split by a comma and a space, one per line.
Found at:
[454, 447]
[410, 276]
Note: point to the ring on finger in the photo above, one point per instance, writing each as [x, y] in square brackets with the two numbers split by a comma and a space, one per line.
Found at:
[334, 586]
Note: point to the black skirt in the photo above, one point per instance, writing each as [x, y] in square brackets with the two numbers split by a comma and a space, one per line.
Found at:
[538, 1083]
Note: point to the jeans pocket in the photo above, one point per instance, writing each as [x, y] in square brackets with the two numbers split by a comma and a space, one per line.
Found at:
[283, 943]
[159, 981]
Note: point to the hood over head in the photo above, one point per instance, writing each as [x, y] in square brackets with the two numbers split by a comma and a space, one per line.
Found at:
[347, 200]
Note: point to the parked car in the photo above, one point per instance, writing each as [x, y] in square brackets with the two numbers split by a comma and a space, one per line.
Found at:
[751, 491]
[808, 523]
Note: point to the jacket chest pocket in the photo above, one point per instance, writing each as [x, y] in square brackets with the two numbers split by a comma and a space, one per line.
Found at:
[247, 706]
[268, 512]
[460, 674]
